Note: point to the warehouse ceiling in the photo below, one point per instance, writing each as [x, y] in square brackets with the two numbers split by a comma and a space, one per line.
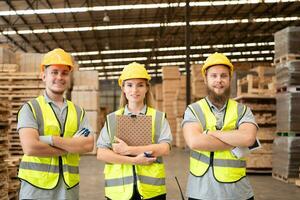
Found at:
[106, 35]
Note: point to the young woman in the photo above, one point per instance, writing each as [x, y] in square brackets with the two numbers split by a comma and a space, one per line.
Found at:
[135, 172]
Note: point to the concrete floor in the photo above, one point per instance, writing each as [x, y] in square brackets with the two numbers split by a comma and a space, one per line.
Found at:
[265, 187]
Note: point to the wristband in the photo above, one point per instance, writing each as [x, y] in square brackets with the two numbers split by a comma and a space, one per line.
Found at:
[46, 139]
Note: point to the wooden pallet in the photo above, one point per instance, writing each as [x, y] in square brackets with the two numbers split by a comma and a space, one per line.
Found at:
[18, 97]
[20, 76]
[252, 84]
[13, 184]
[283, 178]
[287, 57]
[261, 106]
[16, 152]
[4, 192]
[259, 161]
[288, 134]
[259, 171]
[265, 118]
[13, 195]
[297, 182]
[291, 89]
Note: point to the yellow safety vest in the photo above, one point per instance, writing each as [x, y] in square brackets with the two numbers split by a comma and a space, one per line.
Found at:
[119, 178]
[226, 167]
[44, 172]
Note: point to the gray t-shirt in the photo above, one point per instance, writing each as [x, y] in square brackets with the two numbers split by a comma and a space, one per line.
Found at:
[207, 187]
[28, 191]
[165, 135]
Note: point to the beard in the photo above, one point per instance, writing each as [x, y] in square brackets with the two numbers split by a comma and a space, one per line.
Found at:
[218, 99]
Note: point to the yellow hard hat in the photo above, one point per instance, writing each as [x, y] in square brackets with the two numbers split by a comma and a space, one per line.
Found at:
[217, 59]
[134, 70]
[59, 57]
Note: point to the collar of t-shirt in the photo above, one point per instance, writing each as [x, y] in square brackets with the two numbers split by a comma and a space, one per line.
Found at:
[213, 107]
[142, 112]
[48, 100]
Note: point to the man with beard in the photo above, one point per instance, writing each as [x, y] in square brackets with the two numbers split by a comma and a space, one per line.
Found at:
[53, 131]
[212, 127]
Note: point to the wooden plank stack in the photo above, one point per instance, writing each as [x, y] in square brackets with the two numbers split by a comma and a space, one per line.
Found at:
[17, 88]
[7, 56]
[13, 180]
[158, 97]
[29, 62]
[180, 106]
[197, 83]
[297, 182]
[171, 79]
[263, 106]
[85, 93]
[3, 152]
[9, 68]
[287, 145]
[257, 84]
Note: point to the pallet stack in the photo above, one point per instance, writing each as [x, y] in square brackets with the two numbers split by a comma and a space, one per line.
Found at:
[13, 180]
[7, 56]
[3, 152]
[197, 83]
[17, 88]
[180, 106]
[257, 91]
[29, 62]
[171, 79]
[85, 93]
[287, 145]
[158, 97]
[297, 182]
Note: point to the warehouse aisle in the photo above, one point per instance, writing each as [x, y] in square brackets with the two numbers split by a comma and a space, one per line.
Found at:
[265, 187]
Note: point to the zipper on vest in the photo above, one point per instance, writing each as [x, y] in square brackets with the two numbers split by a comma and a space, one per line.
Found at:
[134, 176]
[60, 164]
[211, 159]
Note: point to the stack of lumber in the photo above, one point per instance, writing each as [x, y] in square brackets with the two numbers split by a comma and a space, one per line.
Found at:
[261, 100]
[13, 181]
[171, 79]
[17, 88]
[158, 97]
[263, 82]
[179, 108]
[297, 182]
[3, 152]
[29, 62]
[86, 94]
[197, 83]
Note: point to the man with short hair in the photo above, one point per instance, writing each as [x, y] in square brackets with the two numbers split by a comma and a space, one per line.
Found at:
[53, 131]
[212, 127]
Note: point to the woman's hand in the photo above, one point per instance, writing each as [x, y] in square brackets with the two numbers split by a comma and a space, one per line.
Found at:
[120, 147]
[141, 159]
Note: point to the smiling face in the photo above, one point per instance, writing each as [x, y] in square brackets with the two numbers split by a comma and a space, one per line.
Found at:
[56, 78]
[135, 90]
[218, 83]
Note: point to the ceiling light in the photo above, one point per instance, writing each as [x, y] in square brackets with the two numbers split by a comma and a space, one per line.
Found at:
[106, 17]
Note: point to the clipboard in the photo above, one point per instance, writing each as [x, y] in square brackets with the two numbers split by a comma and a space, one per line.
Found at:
[135, 130]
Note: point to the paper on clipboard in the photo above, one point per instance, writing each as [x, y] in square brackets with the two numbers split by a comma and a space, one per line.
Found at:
[135, 130]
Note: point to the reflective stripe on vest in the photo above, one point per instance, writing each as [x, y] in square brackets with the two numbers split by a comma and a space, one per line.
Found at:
[218, 162]
[32, 168]
[119, 177]
[226, 167]
[119, 181]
